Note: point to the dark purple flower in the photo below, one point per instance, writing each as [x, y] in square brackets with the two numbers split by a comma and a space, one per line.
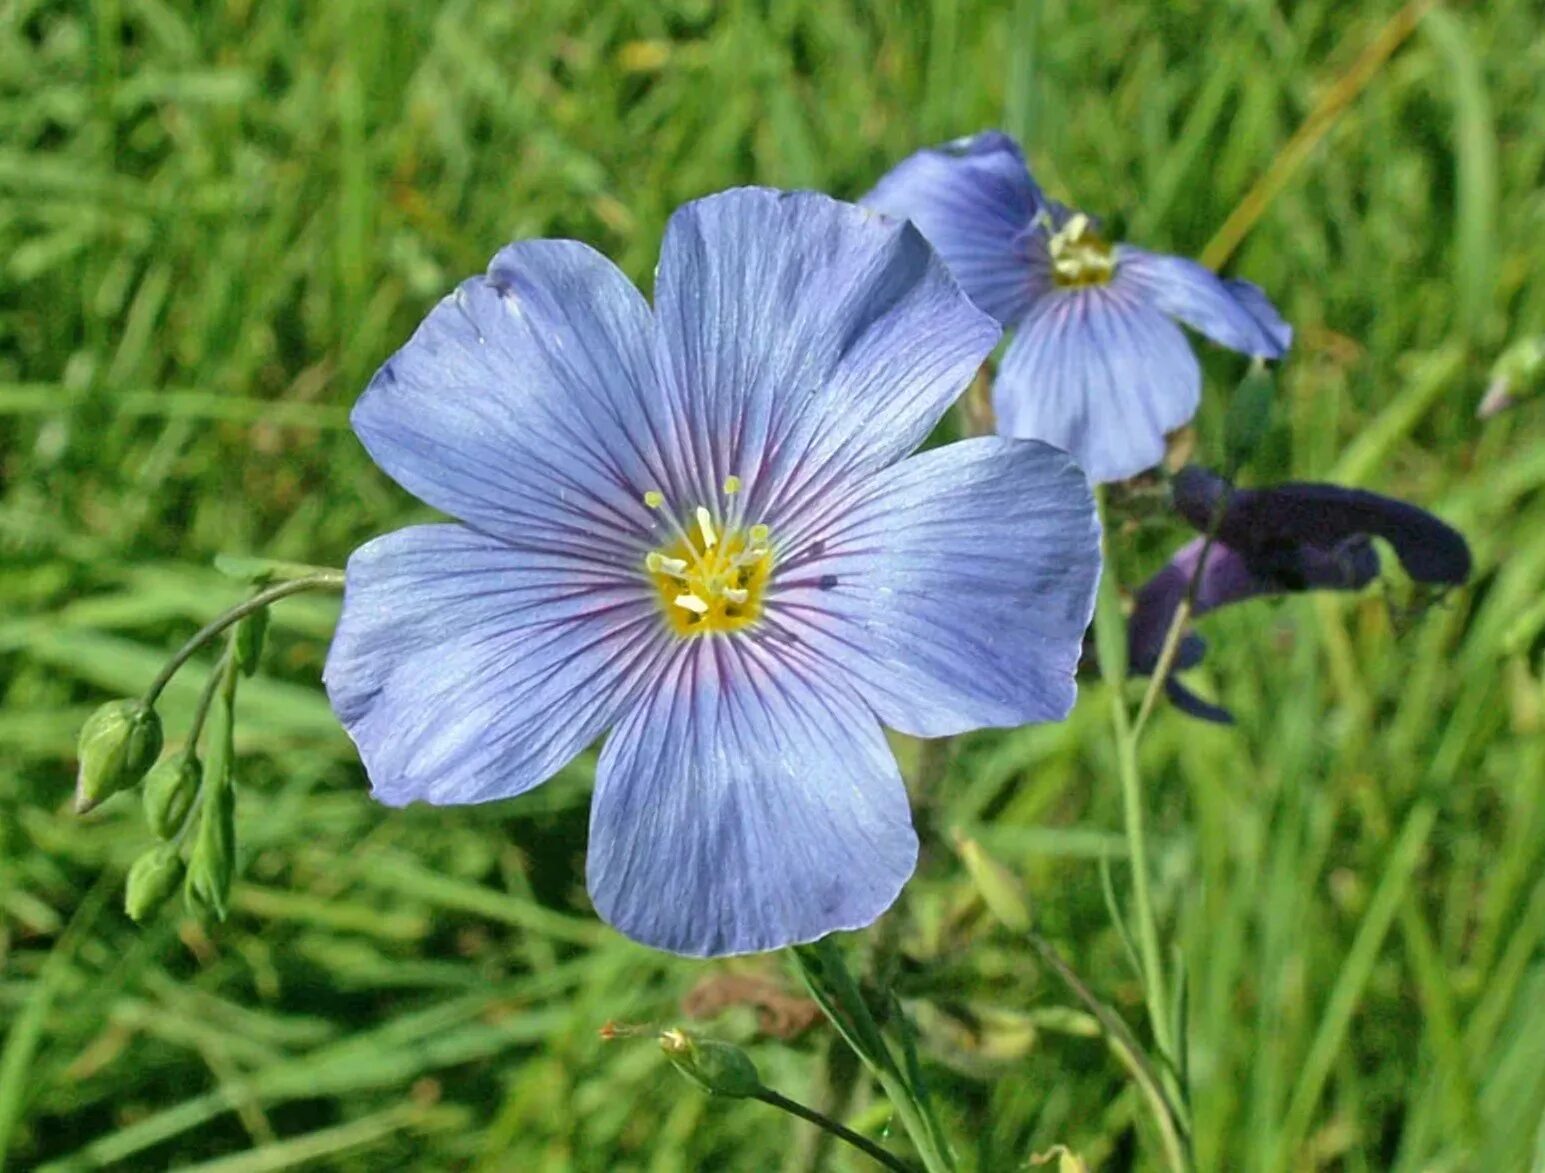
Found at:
[1098, 365]
[1291, 537]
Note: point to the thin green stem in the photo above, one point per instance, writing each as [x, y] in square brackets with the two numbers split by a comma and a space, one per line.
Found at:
[327, 580]
[832, 986]
[206, 697]
[1173, 1127]
[840, 1131]
[224, 670]
[1182, 616]
[1155, 985]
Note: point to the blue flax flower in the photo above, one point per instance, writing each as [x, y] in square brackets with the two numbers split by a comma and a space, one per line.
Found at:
[1291, 537]
[698, 528]
[1097, 365]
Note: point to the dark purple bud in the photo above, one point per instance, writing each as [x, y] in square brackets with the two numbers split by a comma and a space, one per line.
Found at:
[1225, 579]
[1312, 535]
[1194, 706]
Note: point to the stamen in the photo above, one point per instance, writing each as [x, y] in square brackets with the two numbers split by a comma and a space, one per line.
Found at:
[759, 535]
[692, 603]
[735, 594]
[658, 563]
[731, 485]
[654, 498]
[705, 524]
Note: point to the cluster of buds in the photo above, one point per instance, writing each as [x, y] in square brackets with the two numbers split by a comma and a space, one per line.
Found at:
[183, 798]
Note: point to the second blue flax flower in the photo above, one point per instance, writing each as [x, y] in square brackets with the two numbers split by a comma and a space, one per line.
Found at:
[1097, 365]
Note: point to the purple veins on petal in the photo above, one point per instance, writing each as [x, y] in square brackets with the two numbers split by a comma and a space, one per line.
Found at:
[696, 530]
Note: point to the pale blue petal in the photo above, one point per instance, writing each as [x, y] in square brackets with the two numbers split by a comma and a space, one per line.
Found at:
[974, 200]
[743, 807]
[1233, 313]
[526, 403]
[466, 670]
[808, 341]
[1098, 373]
[955, 588]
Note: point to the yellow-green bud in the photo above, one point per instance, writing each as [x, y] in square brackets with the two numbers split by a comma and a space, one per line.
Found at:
[718, 1068]
[118, 743]
[998, 887]
[212, 862]
[153, 878]
[249, 641]
[170, 789]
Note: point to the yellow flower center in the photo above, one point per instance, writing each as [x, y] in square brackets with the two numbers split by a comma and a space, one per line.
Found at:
[713, 574]
[1078, 255]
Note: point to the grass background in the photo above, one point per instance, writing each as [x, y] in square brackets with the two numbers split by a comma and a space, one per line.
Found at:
[217, 218]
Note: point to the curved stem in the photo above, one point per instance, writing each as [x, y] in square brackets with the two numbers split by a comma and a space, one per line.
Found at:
[206, 698]
[1173, 1127]
[327, 580]
[840, 1131]
[1154, 984]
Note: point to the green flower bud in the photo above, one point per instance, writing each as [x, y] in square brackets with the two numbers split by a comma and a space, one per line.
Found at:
[718, 1068]
[1249, 416]
[153, 878]
[1518, 373]
[998, 887]
[169, 792]
[212, 863]
[118, 743]
[249, 641]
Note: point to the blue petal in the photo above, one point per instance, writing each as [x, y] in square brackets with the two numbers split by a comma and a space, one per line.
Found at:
[1254, 300]
[809, 340]
[1233, 313]
[955, 588]
[466, 670]
[526, 405]
[1098, 373]
[741, 807]
[973, 199]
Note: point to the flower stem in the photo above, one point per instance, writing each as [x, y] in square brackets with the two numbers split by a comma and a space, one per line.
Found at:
[840, 1131]
[1155, 985]
[325, 580]
[838, 995]
[1173, 1127]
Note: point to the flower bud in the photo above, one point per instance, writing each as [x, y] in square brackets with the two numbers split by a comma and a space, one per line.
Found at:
[998, 887]
[249, 641]
[170, 789]
[212, 863]
[718, 1068]
[153, 878]
[118, 743]
[1249, 416]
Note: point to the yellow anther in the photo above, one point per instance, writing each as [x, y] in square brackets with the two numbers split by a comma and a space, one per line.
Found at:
[692, 603]
[654, 498]
[731, 485]
[759, 535]
[658, 563]
[735, 595]
[705, 524]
